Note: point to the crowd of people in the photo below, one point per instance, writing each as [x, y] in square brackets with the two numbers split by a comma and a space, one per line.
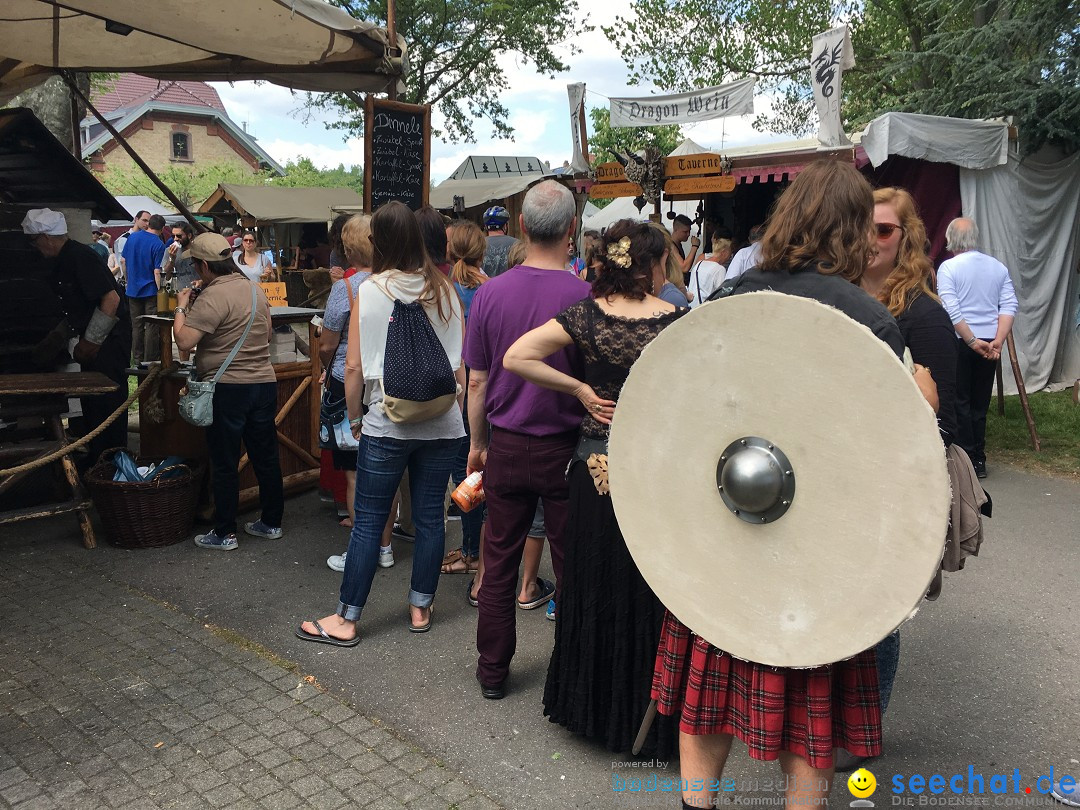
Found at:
[451, 349]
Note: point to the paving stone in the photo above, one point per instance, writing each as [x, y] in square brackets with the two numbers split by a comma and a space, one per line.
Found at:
[329, 799]
[20, 792]
[309, 785]
[80, 719]
[454, 792]
[478, 803]
[261, 786]
[224, 796]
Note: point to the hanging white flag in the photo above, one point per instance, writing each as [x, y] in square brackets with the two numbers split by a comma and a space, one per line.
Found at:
[579, 163]
[830, 55]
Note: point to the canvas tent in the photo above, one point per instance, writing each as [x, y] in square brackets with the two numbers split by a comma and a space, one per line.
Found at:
[304, 44]
[1028, 213]
[279, 205]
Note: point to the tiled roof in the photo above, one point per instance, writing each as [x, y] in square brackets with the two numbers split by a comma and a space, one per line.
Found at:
[132, 90]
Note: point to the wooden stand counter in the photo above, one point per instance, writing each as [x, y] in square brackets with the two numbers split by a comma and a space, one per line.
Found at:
[297, 419]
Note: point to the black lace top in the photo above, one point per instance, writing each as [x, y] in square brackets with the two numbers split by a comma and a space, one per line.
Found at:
[609, 345]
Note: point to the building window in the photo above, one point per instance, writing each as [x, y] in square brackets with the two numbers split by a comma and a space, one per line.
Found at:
[181, 146]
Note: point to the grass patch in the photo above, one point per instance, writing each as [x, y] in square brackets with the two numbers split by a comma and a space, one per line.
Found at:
[1057, 421]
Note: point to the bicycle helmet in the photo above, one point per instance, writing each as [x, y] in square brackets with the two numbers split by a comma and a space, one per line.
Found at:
[496, 217]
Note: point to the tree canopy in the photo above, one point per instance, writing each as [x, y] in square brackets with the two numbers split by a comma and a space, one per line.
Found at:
[455, 49]
[193, 184]
[604, 137]
[964, 58]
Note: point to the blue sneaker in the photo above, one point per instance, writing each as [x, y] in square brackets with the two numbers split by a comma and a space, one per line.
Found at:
[260, 529]
[212, 541]
[551, 611]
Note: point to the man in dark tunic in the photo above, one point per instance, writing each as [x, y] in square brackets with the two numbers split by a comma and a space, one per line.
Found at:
[97, 317]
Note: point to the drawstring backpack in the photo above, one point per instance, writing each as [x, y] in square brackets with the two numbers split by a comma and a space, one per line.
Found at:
[418, 383]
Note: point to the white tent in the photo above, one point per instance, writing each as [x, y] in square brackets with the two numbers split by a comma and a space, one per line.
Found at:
[623, 207]
[304, 44]
[1028, 213]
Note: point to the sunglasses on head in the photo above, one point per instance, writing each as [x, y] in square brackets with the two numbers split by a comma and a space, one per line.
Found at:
[886, 229]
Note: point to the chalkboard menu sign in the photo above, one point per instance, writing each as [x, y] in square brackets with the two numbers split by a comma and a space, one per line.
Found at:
[397, 153]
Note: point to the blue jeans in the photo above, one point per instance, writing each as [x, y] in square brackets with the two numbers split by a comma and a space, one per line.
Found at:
[473, 521]
[887, 653]
[380, 463]
[245, 411]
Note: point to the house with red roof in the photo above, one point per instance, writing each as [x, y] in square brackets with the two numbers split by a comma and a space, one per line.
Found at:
[168, 123]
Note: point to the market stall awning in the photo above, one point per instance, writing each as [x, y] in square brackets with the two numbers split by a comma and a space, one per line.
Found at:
[964, 142]
[480, 192]
[304, 44]
[37, 171]
[281, 205]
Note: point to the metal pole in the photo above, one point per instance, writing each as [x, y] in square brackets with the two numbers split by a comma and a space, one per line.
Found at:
[198, 226]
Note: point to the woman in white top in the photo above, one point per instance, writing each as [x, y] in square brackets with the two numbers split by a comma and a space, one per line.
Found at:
[402, 271]
[253, 264]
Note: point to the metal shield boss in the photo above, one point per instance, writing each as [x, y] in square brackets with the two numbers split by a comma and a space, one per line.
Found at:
[779, 479]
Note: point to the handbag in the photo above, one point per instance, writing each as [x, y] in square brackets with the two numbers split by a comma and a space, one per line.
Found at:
[335, 432]
[197, 405]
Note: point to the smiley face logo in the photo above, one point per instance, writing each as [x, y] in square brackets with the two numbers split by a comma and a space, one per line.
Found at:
[862, 784]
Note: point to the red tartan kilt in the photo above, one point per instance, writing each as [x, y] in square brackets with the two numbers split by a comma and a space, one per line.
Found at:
[807, 712]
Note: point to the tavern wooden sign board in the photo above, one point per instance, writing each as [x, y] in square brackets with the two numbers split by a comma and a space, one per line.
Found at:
[688, 176]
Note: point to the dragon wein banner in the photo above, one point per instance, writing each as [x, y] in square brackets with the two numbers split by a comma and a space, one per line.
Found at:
[734, 98]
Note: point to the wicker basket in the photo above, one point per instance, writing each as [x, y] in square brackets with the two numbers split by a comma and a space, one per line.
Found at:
[143, 514]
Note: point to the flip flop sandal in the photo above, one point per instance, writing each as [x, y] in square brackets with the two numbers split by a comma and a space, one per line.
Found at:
[453, 558]
[325, 638]
[468, 595]
[424, 627]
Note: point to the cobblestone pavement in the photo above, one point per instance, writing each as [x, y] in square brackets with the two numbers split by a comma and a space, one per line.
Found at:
[111, 699]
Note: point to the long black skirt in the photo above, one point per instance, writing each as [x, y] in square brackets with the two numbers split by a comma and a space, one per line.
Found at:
[607, 632]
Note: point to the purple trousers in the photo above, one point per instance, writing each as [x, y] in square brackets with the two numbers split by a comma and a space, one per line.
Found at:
[520, 469]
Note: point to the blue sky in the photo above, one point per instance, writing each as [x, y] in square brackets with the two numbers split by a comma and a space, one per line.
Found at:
[539, 109]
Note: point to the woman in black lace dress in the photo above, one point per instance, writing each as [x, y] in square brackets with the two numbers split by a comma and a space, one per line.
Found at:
[608, 618]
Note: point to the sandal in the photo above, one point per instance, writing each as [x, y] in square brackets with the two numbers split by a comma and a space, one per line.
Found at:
[422, 628]
[457, 563]
[326, 638]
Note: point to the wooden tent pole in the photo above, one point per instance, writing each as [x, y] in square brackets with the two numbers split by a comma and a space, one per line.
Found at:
[391, 34]
[1023, 393]
[1000, 389]
[183, 209]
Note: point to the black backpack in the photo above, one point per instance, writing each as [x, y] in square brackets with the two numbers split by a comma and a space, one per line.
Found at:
[418, 383]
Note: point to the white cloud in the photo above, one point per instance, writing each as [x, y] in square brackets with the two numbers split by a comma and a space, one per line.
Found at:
[325, 156]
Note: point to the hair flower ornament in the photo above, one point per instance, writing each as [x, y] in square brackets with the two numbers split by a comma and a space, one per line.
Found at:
[619, 252]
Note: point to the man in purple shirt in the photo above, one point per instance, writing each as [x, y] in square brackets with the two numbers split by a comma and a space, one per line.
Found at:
[533, 431]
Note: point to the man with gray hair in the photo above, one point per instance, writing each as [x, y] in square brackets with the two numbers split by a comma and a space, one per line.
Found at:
[533, 431]
[978, 294]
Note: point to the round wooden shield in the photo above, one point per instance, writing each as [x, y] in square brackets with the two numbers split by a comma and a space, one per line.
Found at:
[779, 479]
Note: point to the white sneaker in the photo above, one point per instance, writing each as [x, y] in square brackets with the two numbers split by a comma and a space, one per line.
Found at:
[386, 557]
[336, 562]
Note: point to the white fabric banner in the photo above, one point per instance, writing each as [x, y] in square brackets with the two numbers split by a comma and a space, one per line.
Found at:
[830, 55]
[734, 98]
[1028, 213]
[576, 91]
